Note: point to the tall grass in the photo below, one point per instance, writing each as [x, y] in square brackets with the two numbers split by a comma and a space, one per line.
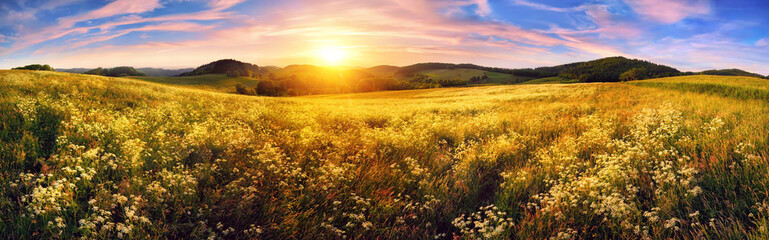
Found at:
[95, 157]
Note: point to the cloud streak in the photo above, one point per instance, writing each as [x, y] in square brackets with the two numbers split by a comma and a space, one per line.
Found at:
[669, 11]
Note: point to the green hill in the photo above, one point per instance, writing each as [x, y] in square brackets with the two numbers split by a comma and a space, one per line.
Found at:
[611, 69]
[732, 72]
[230, 67]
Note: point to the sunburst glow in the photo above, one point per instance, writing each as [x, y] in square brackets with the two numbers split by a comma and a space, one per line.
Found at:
[332, 55]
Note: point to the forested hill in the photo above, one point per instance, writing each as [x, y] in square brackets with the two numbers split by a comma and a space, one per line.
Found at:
[732, 72]
[611, 69]
[232, 68]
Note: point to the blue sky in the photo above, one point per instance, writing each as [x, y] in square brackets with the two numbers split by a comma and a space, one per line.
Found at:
[686, 34]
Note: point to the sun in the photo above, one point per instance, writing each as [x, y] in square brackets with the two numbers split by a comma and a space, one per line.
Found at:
[332, 55]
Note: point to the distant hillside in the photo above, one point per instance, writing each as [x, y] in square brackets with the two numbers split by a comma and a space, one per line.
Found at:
[383, 69]
[732, 72]
[611, 69]
[115, 72]
[73, 70]
[160, 72]
[230, 67]
[155, 72]
[411, 70]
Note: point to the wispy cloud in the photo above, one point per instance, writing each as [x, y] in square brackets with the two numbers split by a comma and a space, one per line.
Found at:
[764, 42]
[549, 8]
[223, 4]
[118, 7]
[669, 11]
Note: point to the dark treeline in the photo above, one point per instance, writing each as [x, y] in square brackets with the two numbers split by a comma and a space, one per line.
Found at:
[608, 69]
[115, 72]
[39, 67]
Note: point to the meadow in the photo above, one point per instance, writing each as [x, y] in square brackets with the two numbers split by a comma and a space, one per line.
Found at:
[115, 158]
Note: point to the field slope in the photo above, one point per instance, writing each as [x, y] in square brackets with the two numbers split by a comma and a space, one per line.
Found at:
[96, 157]
[210, 82]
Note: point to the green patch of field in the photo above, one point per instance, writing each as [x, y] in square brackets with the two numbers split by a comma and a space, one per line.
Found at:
[551, 80]
[503, 78]
[462, 74]
[467, 74]
[210, 82]
[106, 158]
[735, 87]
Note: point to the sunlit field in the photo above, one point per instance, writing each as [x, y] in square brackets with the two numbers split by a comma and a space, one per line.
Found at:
[109, 158]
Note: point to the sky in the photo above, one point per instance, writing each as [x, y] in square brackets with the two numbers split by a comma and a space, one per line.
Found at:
[691, 35]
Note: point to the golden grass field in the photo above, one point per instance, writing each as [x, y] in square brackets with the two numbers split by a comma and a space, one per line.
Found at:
[104, 158]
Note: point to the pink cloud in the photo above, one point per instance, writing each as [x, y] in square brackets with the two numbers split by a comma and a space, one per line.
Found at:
[669, 11]
[548, 8]
[224, 4]
[169, 26]
[764, 42]
[56, 32]
[118, 7]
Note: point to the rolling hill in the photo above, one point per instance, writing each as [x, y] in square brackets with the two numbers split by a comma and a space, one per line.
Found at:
[293, 80]
[230, 67]
[155, 72]
[732, 72]
[609, 69]
[161, 72]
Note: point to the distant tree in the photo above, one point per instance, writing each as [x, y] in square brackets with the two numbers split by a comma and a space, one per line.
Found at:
[270, 88]
[233, 73]
[97, 71]
[239, 88]
[632, 74]
[36, 67]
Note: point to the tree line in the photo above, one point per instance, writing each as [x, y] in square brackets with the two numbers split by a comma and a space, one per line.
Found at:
[37, 67]
[115, 72]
